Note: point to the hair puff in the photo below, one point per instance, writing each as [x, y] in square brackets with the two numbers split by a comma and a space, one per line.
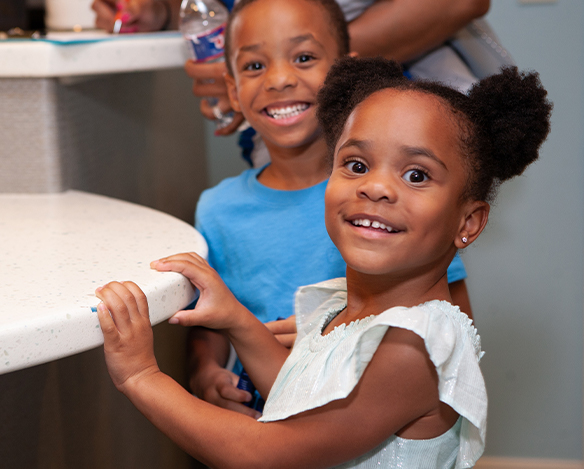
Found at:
[513, 110]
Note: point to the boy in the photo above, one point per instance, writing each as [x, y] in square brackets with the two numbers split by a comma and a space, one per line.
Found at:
[265, 228]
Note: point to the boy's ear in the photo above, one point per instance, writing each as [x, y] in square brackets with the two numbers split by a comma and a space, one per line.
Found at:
[474, 222]
[232, 92]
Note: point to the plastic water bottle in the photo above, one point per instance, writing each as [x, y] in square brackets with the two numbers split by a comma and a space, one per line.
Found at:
[202, 23]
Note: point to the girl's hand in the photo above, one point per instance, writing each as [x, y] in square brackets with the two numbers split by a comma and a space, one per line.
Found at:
[217, 307]
[128, 341]
[284, 330]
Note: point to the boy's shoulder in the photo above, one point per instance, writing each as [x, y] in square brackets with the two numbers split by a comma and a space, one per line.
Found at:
[228, 190]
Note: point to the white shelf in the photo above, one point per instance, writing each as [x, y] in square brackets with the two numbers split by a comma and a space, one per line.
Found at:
[79, 56]
[56, 249]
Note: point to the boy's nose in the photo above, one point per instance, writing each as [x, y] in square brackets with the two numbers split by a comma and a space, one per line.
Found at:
[280, 76]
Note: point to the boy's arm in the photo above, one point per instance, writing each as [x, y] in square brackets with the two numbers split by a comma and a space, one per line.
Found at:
[399, 373]
[207, 354]
[404, 29]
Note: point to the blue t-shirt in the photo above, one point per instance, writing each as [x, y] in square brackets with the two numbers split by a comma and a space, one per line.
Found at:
[266, 243]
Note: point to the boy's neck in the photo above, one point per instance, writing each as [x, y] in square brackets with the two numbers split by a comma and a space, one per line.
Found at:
[296, 168]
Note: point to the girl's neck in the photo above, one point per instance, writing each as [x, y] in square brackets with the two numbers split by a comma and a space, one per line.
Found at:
[295, 168]
[373, 294]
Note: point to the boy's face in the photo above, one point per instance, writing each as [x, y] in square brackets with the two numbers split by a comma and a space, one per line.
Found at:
[281, 53]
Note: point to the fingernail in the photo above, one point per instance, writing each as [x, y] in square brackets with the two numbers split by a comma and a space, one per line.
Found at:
[98, 289]
[173, 320]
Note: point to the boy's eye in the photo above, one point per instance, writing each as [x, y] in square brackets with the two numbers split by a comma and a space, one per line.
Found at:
[356, 167]
[415, 175]
[253, 66]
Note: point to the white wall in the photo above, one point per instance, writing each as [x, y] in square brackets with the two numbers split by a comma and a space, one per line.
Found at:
[526, 270]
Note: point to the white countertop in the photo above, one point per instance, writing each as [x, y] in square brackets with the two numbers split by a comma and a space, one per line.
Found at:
[75, 54]
[56, 249]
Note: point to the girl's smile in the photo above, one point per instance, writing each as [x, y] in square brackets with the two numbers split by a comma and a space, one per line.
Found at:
[393, 202]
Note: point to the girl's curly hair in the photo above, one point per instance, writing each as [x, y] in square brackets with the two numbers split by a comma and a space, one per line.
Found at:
[502, 121]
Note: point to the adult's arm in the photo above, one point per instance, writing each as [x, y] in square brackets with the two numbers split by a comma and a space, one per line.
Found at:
[405, 29]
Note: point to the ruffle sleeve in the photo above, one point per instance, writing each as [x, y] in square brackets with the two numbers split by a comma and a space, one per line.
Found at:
[321, 369]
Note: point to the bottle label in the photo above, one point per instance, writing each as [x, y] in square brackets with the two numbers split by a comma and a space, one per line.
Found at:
[209, 45]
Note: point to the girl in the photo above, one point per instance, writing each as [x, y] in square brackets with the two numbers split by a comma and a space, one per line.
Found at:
[384, 371]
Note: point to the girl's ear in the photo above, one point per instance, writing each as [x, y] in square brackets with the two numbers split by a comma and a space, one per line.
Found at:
[473, 224]
[232, 92]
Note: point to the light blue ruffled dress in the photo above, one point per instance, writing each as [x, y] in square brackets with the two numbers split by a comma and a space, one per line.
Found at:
[321, 369]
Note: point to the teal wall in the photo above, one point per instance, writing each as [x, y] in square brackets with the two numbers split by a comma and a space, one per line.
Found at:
[526, 271]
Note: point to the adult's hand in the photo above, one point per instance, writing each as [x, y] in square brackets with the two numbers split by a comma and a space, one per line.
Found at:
[209, 82]
[137, 15]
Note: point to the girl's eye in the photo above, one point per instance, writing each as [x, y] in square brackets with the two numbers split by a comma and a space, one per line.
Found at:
[303, 58]
[415, 176]
[356, 167]
[253, 66]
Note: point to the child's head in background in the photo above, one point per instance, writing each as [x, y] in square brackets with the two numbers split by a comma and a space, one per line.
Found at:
[416, 163]
[278, 53]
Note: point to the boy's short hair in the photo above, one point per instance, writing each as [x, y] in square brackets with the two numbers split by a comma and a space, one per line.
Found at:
[337, 23]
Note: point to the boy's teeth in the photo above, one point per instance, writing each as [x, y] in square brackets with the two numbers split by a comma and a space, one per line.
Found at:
[288, 111]
[373, 224]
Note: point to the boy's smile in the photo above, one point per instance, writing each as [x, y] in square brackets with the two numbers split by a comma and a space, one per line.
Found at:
[281, 53]
[393, 202]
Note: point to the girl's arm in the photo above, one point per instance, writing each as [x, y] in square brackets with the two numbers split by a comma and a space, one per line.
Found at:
[404, 29]
[260, 353]
[398, 391]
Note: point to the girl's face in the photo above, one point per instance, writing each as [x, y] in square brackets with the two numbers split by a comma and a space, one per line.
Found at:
[393, 202]
[281, 53]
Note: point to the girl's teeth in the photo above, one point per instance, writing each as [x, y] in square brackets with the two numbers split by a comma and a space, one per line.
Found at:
[288, 111]
[373, 224]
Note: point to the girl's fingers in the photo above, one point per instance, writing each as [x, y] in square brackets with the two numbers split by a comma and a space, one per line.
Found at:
[115, 305]
[191, 265]
[106, 322]
[128, 299]
[140, 298]
[182, 318]
[120, 302]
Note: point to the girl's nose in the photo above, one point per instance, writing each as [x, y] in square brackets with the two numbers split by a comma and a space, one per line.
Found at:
[280, 76]
[377, 187]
